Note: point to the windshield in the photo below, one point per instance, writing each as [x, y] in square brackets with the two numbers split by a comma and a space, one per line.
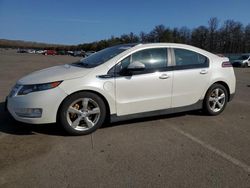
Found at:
[243, 57]
[102, 56]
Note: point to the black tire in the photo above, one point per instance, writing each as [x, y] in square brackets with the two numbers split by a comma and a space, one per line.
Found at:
[245, 65]
[207, 103]
[64, 115]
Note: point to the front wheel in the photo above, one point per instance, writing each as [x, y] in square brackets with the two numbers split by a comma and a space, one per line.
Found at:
[82, 113]
[215, 100]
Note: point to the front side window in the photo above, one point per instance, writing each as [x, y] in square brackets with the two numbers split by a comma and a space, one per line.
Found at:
[189, 59]
[153, 59]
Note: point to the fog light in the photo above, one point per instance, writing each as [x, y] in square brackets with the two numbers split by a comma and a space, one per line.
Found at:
[29, 112]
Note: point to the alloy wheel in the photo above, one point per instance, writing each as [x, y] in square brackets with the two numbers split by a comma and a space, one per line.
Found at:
[217, 100]
[83, 114]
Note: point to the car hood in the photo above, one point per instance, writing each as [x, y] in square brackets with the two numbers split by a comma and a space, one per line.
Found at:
[56, 73]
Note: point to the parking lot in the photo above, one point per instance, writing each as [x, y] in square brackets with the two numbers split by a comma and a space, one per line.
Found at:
[180, 150]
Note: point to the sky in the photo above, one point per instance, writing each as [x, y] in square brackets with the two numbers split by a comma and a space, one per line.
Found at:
[81, 21]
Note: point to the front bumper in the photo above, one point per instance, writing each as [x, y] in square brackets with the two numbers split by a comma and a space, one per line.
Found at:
[48, 100]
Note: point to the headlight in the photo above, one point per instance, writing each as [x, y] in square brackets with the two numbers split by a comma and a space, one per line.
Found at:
[26, 89]
[15, 90]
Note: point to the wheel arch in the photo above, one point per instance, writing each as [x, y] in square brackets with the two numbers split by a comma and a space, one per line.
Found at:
[223, 84]
[90, 91]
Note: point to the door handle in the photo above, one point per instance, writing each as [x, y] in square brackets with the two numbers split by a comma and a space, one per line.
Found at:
[164, 76]
[203, 72]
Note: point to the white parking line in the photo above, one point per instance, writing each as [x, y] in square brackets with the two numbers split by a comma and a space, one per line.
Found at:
[222, 154]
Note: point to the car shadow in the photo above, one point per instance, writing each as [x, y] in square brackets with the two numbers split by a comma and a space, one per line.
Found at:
[140, 120]
[154, 118]
[10, 126]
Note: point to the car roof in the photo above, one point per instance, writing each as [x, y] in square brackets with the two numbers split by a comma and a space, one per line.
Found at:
[174, 45]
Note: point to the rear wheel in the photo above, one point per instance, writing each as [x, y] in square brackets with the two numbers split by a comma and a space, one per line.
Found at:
[215, 100]
[245, 65]
[82, 113]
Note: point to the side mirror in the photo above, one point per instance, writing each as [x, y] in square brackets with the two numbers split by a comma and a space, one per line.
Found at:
[136, 66]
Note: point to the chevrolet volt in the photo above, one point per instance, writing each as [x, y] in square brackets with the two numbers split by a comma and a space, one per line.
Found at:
[123, 82]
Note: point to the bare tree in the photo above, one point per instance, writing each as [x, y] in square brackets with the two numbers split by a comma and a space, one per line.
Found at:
[231, 36]
[212, 28]
[247, 38]
[200, 37]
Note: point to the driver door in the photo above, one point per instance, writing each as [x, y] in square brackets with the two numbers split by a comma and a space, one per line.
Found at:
[144, 90]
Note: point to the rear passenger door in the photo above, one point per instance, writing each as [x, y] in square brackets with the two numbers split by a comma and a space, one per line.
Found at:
[191, 76]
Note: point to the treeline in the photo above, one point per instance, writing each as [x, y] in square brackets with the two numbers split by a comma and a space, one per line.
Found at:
[4, 43]
[229, 37]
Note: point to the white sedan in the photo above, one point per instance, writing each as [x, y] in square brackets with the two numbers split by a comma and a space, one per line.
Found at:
[123, 82]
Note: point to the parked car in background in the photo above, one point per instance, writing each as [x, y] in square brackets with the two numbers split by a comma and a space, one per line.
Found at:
[61, 52]
[242, 61]
[88, 53]
[19, 50]
[69, 52]
[124, 82]
[50, 52]
[40, 51]
[232, 57]
[31, 51]
[79, 53]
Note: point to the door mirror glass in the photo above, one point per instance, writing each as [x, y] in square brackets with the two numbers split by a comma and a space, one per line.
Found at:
[136, 66]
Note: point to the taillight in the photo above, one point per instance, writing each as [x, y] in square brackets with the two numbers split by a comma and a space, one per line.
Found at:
[226, 64]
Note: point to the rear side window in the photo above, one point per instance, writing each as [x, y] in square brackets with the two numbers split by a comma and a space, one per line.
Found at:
[185, 59]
